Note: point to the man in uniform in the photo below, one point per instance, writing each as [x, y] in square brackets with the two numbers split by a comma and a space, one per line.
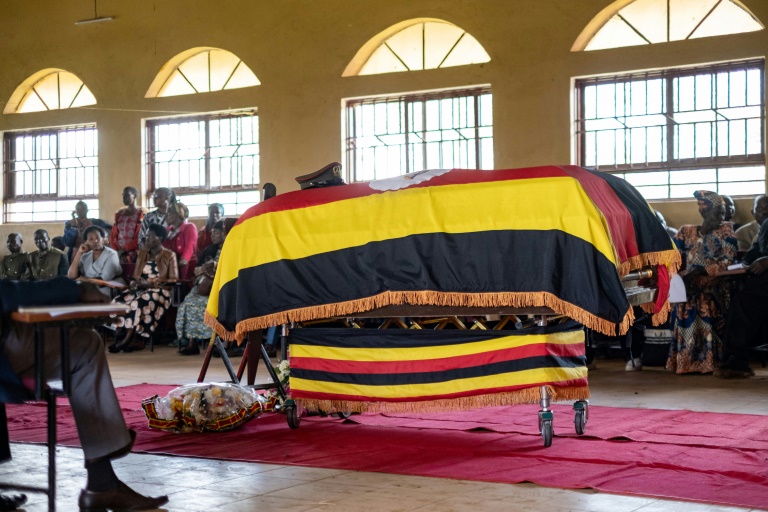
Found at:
[47, 261]
[13, 265]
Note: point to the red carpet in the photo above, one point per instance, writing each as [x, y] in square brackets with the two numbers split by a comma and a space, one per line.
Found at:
[707, 457]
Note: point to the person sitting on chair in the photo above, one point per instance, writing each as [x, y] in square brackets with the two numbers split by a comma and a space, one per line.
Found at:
[14, 265]
[100, 424]
[189, 317]
[747, 234]
[95, 261]
[148, 297]
[47, 261]
[746, 313]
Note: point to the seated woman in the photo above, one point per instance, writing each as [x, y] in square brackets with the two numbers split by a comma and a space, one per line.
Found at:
[93, 260]
[189, 318]
[147, 297]
[182, 237]
[698, 324]
[204, 236]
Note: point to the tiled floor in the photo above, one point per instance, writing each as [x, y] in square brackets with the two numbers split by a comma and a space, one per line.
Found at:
[207, 485]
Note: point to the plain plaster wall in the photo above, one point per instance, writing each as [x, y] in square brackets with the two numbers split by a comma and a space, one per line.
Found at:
[298, 49]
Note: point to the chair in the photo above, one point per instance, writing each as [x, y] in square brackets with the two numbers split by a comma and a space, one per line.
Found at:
[14, 390]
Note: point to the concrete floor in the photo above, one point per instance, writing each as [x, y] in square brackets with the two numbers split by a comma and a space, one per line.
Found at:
[207, 485]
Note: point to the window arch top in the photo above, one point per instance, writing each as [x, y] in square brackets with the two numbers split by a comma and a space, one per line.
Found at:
[49, 89]
[200, 70]
[417, 44]
[638, 22]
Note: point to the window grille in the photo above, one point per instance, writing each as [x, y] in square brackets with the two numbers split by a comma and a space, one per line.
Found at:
[391, 136]
[206, 159]
[47, 171]
[675, 131]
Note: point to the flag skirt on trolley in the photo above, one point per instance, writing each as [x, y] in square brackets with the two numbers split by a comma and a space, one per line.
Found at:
[359, 370]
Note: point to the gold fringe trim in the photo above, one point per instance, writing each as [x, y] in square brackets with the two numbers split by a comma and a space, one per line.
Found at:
[429, 298]
[522, 396]
[660, 317]
[670, 259]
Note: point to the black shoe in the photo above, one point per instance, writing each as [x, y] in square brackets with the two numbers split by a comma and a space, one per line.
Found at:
[190, 350]
[12, 501]
[122, 498]
[115, 348]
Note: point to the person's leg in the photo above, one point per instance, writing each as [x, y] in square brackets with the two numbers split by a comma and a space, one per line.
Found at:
[99, 419]
[745, 316]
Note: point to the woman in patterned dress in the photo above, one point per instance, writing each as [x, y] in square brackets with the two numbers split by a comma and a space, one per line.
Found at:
[698, 324]
[147, 297]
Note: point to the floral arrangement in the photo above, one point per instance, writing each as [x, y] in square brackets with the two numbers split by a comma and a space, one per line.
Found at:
[204, 407]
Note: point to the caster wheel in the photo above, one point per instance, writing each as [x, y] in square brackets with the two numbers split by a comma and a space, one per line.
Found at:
[580, 421]
[343, 415]
[292, 414]
[546, 433]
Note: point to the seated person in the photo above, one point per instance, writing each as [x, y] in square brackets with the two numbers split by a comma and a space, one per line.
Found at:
[58, 243]
[124, 237]
[95, 261]
[730, 211]
[747, 311]
[182, 237]
[74, 229]
[189, 318]
[46, 262]
[698, 324]
[148, 298]
[215, 214]
[100, 424]
[747, 234]
[14, 265]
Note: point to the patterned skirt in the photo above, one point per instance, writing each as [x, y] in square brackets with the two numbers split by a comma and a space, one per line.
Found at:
[189, 318]
[147, 308]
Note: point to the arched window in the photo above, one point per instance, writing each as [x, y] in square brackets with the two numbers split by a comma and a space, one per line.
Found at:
[638, 22]
[201, 70]
[49, 89]
[415, 45]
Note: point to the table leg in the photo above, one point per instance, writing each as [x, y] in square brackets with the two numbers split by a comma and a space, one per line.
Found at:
[66, 377]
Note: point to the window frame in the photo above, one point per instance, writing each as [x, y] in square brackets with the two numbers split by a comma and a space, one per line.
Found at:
[405, 99]
[9, 176]
[670, 163]
[150, 162]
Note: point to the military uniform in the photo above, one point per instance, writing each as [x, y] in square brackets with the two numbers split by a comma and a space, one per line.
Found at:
[47, 264]
[14, 266]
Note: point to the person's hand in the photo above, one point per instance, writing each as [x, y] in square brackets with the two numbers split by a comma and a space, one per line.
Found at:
[90, 293]
[758, 266]
[74, 214]
[182, 262]
[84, 248]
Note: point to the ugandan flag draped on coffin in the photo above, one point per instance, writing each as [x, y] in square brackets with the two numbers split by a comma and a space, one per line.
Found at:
[371, 370]
[558, 237]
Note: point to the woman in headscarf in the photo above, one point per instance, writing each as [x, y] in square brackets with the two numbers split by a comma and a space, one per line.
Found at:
[698, 324]
[182, 236]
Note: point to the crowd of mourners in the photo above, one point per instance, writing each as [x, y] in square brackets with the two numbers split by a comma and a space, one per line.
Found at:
[142, 259]
[722, 318]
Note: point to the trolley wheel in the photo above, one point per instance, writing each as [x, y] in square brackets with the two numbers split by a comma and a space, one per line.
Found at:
[580, 421]
[343, 414]
[292, 414]
[546, 433]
